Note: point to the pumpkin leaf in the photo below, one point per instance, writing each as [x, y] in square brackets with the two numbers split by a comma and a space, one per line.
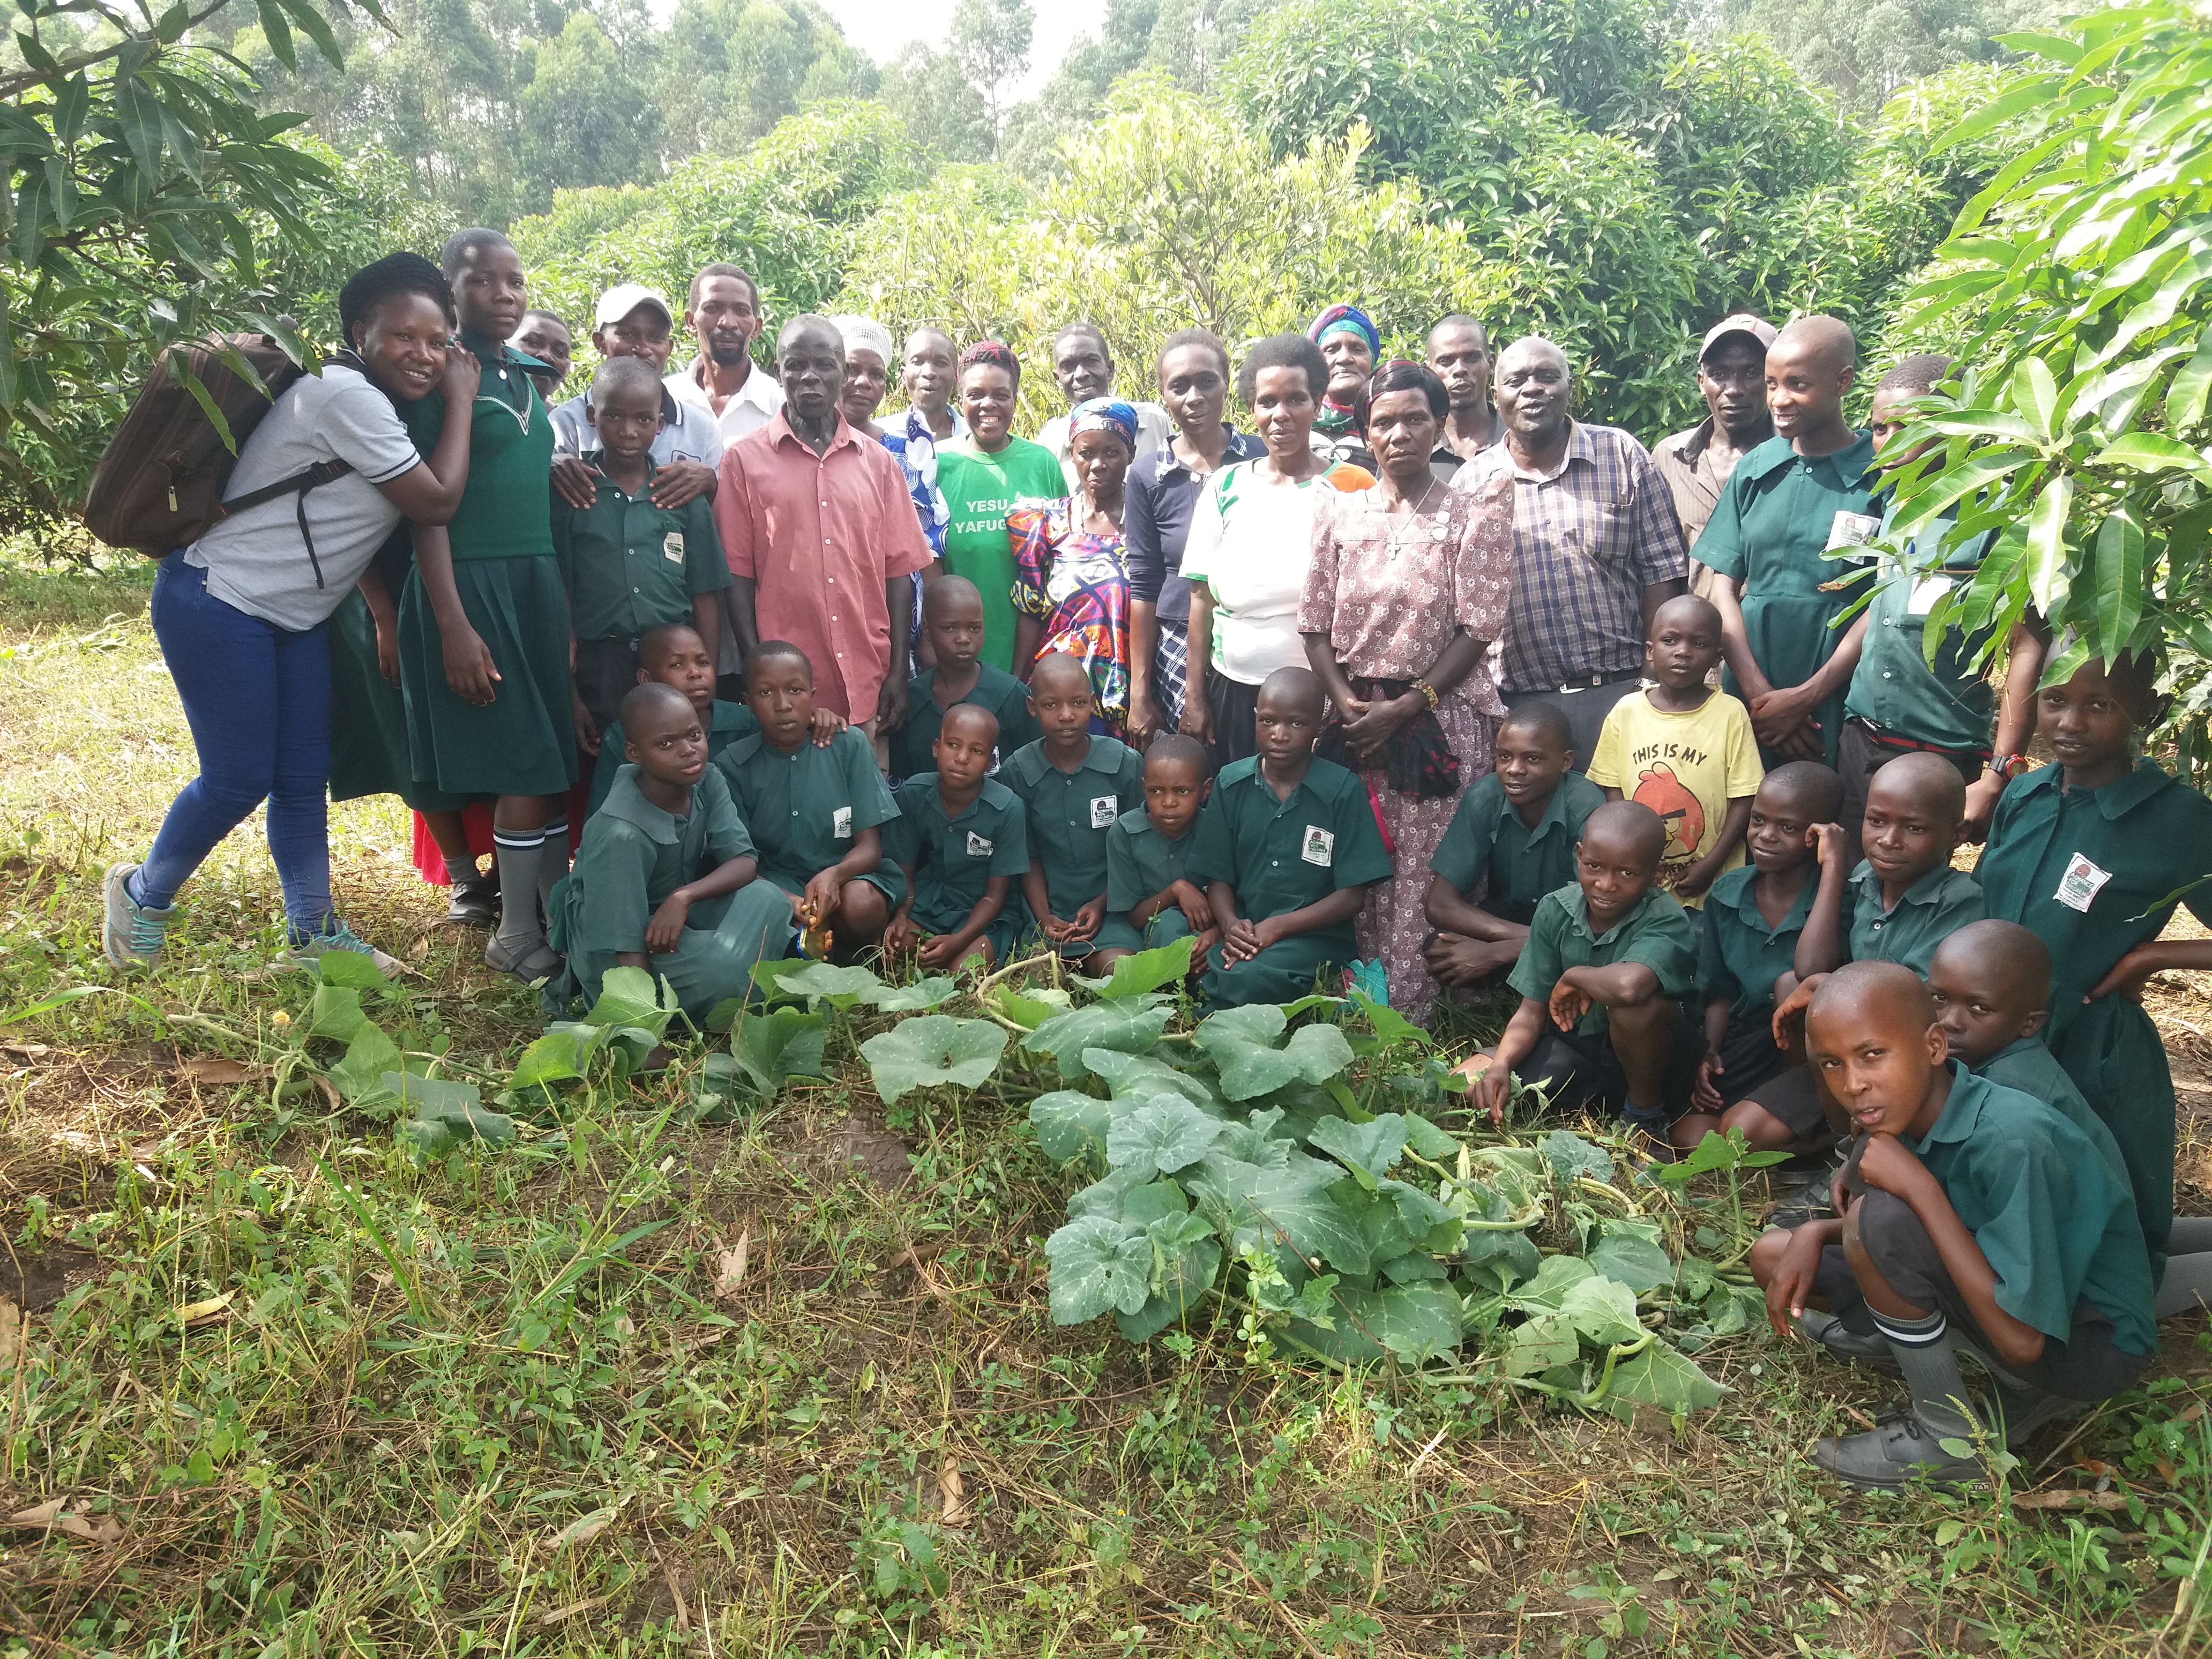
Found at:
[933, 1049]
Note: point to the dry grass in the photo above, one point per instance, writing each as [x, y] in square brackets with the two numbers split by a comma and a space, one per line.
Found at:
[487, 1425]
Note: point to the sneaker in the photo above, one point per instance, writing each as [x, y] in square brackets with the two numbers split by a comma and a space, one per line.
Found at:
[1901, 1450]
[303, 954]
[132, 932]
[474, 901]
[529, 960]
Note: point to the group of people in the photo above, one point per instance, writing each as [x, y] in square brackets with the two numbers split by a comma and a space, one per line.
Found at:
[1421, 687]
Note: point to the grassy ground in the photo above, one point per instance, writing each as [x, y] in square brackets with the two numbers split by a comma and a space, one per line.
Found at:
[639, 1386]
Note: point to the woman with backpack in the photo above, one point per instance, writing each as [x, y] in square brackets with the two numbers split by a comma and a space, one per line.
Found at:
[243, 613]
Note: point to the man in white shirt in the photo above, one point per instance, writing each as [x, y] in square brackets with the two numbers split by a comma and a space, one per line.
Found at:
[634, 321]
[1085, 369]
[723, 383]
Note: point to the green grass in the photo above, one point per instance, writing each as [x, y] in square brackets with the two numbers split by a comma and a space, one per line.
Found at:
[502, 1406]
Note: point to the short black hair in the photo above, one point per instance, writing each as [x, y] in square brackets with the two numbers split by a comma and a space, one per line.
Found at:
[1177, 746]
[970, 708]
[554, 317]
[1460, 319]
[626, 374]
[1089, 330]
[658, 638]
[463, 243]
[1204, 339]
[769, 650]
[1404, 375]
[720, 269]
[639, 702]
[1547, 719]
[393, 275]
[1817, 786]
[1917, 375]
[1282, 351]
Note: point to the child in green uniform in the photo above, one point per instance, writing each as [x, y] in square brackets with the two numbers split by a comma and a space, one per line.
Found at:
[1806, 492]
[665, 878]
[1900, 903]
[1511, 839]
[631, 566]
[676, 654]
[1602, 977]
[1286, 847]
[2093, 854]
[815, 813]
[1747, 945]
[1073, 785]
[1978, 1217]
[483, 620]
[961, 839]
[1151, 900]
[952, 623]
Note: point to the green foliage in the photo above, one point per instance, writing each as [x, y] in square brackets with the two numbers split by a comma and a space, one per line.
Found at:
[932, 1050]
[586, 118]
[1864, 53]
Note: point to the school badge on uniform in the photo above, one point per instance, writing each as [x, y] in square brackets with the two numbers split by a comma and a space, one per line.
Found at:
[672, 547]
[1320, 846]
[979, 847]
[1852, 530]
[1104, 809]
[841, 823]
[2078, 886]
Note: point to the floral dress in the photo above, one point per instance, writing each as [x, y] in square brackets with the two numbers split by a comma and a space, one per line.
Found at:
[1076, 583]
[1391, 592]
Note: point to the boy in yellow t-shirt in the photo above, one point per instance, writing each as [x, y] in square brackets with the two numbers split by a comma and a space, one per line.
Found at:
[1684, 749]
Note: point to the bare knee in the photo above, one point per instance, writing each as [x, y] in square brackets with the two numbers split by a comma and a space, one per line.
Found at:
[1761, 1128]
[1766, 1254]
[864, 910]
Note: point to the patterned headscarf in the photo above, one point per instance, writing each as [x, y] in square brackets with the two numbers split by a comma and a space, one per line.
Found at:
[1104, 415]
[1336, 417]
[865, 334]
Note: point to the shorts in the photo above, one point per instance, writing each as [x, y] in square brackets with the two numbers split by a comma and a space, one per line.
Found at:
[1858, 757]
[2087, 1365]
[1792, 1098]
[1577, 1070]
[1749, 1058]
[606, 672]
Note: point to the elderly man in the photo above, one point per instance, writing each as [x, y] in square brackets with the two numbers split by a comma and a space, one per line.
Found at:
[633, 321]
[820, 535]
[1783, 531]
[1595, 547]
[1085, 369]
[1459, 352]
[1696, 463]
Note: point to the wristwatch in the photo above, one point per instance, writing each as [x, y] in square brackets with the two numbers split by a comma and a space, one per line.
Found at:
[2008, 766]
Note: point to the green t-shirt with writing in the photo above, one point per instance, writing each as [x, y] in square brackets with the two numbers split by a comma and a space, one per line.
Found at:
[979, 488]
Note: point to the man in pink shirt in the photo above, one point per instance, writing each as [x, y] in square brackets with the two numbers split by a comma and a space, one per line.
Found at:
[821, 536]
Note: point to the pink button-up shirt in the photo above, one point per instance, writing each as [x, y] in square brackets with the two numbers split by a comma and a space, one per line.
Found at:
[820, 536]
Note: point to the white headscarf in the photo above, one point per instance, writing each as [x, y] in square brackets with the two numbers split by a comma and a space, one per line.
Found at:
[865, 333]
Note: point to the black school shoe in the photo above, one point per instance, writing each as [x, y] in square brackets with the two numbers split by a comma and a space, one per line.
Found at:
[1890, 1456]
[1871, 1350]
[474, 901]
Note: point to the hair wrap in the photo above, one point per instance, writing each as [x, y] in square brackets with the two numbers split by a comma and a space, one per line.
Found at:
[865, 334]
[1104, 415]
[1346, 319]
[994, 354]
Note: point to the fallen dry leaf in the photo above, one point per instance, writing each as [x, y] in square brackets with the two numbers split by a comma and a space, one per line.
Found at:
[951, 1493]
[585, 1530]
[202, 1313]
[26, 1050]
[2069, 1500]
[730, 1269]
[11, 1332]
[216, 1068]
[51, 1515]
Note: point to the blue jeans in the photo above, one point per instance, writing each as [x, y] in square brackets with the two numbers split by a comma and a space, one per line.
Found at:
[258, 700]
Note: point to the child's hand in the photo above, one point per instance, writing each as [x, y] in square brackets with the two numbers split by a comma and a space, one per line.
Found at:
[665, 931]
[827, 723]
[470, 673]
[1696, 877]
[1704, 1094]
[576, 482]
[1455, 959]
[588, 730]
[899, 938]
[1192, 903]
[943, 951]
[387, 652]
[1791, 1286]
[1569, 1003]
[1792, 1009]
[1886, 1163]
[1829, 844]
[1489, 1084]
[1055, 929]
[2127, 978]
[1087, 920]
[1240, 942]
[1205, 942]
[822, 894]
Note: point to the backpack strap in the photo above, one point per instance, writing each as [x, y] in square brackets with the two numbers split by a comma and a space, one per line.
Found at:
[298, 483]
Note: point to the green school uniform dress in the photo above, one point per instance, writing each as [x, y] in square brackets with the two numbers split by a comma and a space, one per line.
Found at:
[368, 712]
[1140, 861]
[1778, 515]
[2028, 1063]
[979, 489]
[631, 565]
[632, 856]
[2057, 1226]
[1071, 812]
[994, 689]
[953, 859]
[804, 808]
[1282, 854]
[523, 741]
[1487, 842]
[1933, 908]
[725, 723]
[1656, 932]
[2095, 872]
[1894, 688]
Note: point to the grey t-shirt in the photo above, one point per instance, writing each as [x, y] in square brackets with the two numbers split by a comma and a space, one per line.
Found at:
[255, 560]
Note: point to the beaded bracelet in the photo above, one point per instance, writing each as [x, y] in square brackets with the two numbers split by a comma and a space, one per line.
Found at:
[1426, 690]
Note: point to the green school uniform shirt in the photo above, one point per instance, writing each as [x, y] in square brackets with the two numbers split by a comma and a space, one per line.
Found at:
[631, 566]
[725, 723]
[635, 854]
[1282, 854]
[954, 858]
[505, 508]
[2093, 873]
[2056, 1225]
[1778, 514]
[1894, 687]
[1656, 932]
[994, 689]
[2028, 1063]
[805, 808]
[1140, 861]
[1487, 839]
[1070, 812]
[979, 490]
[1933, 908]
[1739, 955]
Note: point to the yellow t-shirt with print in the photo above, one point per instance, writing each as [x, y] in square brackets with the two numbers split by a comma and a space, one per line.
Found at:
[1684, 767]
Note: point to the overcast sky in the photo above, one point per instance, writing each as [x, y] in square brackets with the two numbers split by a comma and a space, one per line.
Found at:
[880, 27]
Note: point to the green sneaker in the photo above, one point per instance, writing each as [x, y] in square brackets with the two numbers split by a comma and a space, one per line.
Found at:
[132, 932]
[341, 938]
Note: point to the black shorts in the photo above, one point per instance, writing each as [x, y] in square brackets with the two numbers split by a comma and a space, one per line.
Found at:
[607, 670]
[1583, 1071]
[1858, 757]
[2087, 1365]
[1749, 1058]
[1792, 1095]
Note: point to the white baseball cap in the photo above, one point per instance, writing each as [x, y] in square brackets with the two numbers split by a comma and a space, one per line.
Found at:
[618, 301]
[1741, 323]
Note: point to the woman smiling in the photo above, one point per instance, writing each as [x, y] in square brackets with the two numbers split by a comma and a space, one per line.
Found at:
[983, 476]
